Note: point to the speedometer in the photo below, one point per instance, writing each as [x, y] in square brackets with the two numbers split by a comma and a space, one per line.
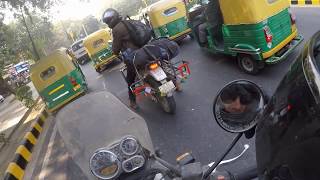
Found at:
[129, 146]
[105, 164]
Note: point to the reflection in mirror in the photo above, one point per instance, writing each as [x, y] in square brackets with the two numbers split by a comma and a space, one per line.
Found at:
[238, 105]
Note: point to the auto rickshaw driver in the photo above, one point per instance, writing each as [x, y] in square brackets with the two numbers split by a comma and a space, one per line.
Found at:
[212, 17]
[168, 18]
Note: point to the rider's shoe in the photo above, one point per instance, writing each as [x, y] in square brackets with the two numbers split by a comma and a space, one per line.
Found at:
[133, 105]
[178, 87]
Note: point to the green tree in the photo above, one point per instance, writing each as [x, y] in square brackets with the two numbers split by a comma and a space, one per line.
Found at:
[91, 24]
[128, 8]
[41, 32]
[60, 39]
[42, 5]
[10, 50]
[6, 54]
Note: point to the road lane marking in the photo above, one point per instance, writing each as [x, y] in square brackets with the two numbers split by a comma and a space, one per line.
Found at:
[100, 76]
[48, 154]
[104, 85]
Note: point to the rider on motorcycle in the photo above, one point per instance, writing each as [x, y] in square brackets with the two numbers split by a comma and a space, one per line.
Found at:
[124, 44]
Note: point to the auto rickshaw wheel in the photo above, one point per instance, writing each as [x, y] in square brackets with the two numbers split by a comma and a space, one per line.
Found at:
[191, 36]
[179, 41]
[98, 70]
[248, 64]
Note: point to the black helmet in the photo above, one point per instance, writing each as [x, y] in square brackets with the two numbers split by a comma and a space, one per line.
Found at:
[288, 134]
[111, 17]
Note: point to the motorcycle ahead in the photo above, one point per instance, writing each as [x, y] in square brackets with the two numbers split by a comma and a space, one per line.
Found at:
[159, 79]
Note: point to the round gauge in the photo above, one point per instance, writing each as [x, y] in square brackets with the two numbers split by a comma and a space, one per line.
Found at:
[129, 146]
[105, 164]
[133, 163]
[127, 166]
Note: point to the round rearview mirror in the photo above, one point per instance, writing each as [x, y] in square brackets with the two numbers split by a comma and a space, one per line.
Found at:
[238, 105]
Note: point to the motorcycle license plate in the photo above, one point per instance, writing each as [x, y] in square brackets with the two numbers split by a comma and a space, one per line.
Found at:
[158, 74]
[167, 87]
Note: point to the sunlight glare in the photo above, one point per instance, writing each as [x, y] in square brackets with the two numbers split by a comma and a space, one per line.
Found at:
[76, 9]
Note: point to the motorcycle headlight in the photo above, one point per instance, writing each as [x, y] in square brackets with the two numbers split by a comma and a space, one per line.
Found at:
[105, 164]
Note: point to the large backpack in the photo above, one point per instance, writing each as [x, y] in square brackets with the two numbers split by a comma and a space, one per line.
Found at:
[140, 33]
[158, 49]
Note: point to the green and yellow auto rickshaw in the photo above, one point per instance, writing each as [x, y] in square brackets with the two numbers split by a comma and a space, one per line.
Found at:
[58, 79]
[257, 32]
[168, 18]
[98, 45]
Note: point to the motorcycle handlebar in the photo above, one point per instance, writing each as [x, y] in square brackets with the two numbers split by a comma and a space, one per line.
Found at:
[169, 166]
[250, 173]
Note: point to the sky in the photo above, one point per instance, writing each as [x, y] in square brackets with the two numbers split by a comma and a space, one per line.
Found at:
[75, 9]
[71, 9]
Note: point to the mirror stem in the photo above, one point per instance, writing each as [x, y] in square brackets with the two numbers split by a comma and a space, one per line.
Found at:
[215, 165]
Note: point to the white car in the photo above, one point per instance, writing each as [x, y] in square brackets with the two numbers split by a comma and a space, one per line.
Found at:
[1, 98]
[80, 52]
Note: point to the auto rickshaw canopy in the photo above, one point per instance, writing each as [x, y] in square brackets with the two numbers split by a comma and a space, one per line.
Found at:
[166, 11]
[51, 68]
[237, 12]
[97, 41]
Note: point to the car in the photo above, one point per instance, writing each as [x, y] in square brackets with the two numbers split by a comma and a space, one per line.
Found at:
[80, 52]
[1, 98]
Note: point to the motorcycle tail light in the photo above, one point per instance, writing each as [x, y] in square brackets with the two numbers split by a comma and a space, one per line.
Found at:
[153, 66]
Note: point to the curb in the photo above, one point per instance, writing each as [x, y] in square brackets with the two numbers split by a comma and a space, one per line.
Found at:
[305, 2]
[22, 157]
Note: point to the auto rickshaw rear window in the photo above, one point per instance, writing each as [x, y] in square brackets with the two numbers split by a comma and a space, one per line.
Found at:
[48, 73]
[170, 11]
[98, 43]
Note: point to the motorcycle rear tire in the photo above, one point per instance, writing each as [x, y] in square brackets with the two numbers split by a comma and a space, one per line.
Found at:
[168, 104]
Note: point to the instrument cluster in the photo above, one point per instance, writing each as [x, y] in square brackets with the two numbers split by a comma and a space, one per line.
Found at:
[124, 156]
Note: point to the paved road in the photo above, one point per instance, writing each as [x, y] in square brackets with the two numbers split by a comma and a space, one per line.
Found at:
[192, 128]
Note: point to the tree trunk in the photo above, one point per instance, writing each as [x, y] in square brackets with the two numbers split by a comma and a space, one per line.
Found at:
[4, 87]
